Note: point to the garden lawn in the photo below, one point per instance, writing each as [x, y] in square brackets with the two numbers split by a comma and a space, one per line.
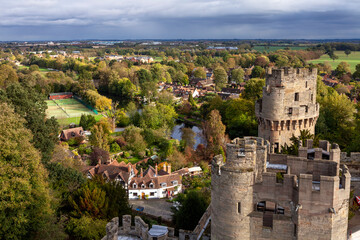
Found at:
[353, 59]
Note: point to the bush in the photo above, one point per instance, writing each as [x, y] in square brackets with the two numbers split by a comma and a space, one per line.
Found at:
[86, 228]
[114, 147]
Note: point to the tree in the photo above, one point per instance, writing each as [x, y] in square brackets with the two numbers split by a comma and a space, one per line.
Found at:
[342, 69]
[253, 89]
[31, 106]
[237, 75]
[220, 78]
[99, 156]
[177, 160]
[258, 72]
[7, 75]
[347, 52]
[188, 216]
[86, 228]
[262, 61]
[99, 137]
[89, 200]
[24, 198]
[199, 73]
[214, 131]
[134, 139]
[356, 74]
[34, 68]
[336, 118]
[87, 121]
[188, 136]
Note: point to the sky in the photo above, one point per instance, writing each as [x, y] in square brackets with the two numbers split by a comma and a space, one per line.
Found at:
[27, 20]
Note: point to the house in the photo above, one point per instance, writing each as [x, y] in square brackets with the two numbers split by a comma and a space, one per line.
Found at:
[71, 133]
[149, 184]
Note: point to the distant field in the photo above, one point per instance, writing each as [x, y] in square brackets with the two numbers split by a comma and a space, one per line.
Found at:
[353, 59]
[158, 59]
[67, 111]
[275, 48]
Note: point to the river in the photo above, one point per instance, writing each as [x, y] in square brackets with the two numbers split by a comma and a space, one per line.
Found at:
[199, 137]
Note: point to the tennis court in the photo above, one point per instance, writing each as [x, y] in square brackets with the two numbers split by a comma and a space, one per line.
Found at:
[66, 108]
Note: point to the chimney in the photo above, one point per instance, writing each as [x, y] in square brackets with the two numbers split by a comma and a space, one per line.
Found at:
[141, 173]
[156, 173]
[129, 167]
[169, 168]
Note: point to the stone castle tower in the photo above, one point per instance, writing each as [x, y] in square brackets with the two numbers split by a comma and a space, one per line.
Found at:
[288, 105]
[259, 195]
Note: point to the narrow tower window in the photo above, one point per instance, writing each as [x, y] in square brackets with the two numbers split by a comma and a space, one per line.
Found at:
[297, 96]
[306, 84]
[239, 207]
[290, 110]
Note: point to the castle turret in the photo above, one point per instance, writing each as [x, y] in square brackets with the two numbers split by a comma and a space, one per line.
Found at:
[288, 105]
[232, 188]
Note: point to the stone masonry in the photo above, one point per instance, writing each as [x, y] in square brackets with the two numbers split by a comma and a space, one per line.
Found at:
[260, 195]
[288, 105]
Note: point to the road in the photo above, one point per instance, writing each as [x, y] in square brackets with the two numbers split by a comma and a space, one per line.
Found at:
[154, 207]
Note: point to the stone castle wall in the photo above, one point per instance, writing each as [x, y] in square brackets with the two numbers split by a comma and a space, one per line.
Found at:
[310, 202]
[288, 105]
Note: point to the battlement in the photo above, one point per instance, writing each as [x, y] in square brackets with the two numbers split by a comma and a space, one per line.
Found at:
[289, 74]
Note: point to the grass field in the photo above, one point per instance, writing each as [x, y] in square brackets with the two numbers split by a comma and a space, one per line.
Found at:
[40, 69]
[275, 48]
[353, 59]
[68, 111]
[76, 120]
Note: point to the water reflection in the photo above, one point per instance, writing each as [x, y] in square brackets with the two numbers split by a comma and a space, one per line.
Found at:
[199, 137]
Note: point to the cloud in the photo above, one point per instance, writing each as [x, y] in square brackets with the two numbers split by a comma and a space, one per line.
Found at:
[85, 19]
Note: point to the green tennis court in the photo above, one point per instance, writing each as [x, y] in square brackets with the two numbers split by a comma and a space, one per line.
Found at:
[66, 108]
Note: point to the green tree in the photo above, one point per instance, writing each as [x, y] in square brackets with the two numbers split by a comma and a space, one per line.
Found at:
[134, 139]
[87, 121]
[99, 137]
[347, 52]
[258, 72]
[188, 216]
[86, 228]
[30, 105]
[356, 74]
[24, 198]
[220, 78]
[253, 89]
[237, 75]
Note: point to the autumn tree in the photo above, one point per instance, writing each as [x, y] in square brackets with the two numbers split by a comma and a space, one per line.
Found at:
[7, 75]
[199, 73]
[342, 69]
[214, 131]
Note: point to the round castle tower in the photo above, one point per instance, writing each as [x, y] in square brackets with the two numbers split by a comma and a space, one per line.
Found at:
[232, 187]
[288, 105]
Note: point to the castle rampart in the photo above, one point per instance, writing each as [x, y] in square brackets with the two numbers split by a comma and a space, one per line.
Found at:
[298, 197]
